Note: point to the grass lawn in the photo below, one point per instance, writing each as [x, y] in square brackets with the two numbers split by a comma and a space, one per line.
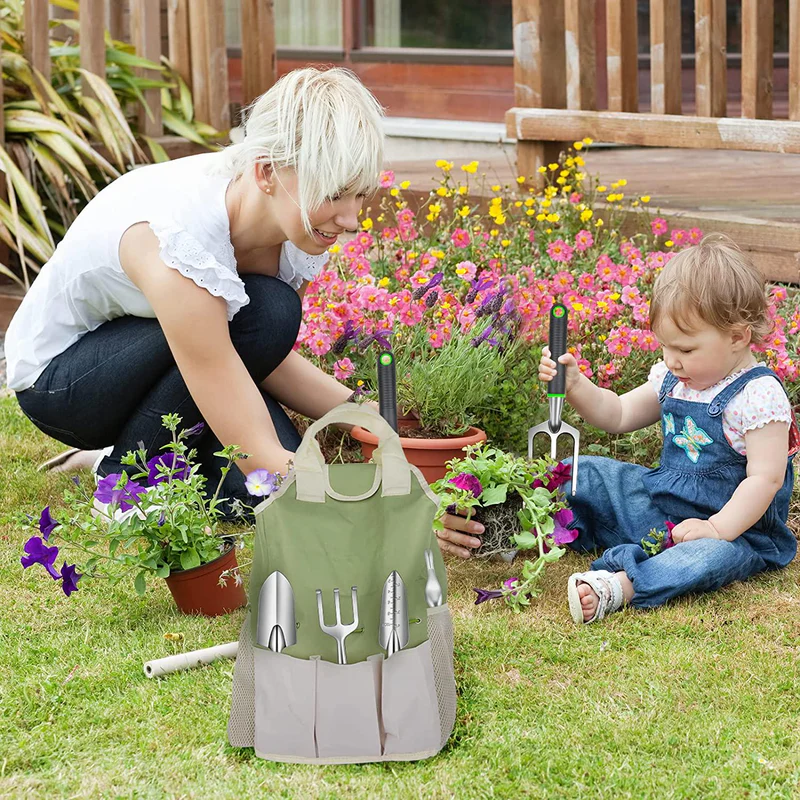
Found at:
[700, 699]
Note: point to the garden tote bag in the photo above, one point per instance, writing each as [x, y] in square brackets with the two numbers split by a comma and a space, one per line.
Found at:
[312, 698]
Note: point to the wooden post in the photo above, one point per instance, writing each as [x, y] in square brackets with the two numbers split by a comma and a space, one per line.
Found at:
[665, 56]
[146, 37]
[579, 39]
[622, 58]
[37, 35]
[711, 82]
[93, 47]
[539, 74]
[351, 29]
[259, 65]
[198, 43]
[218, 97]
[757, 33]
[794, 59]
[178, 34]
[116, 18]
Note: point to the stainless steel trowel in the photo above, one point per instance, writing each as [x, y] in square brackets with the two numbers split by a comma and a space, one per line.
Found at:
[276, 621]
[393, 631]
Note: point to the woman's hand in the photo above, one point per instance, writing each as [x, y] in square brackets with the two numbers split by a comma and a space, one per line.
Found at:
[547, 368]
[455, 537]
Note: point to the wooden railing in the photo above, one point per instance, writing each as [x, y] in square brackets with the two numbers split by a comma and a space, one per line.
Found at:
[196, 36]
[554, 74]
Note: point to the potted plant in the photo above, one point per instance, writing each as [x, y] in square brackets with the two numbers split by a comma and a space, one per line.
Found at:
[156, 521]
[519, 503]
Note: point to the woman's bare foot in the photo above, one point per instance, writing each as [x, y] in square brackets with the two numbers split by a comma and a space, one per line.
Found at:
[71, 461]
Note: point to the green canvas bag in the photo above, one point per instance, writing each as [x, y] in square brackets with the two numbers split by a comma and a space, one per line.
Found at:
[339, 526]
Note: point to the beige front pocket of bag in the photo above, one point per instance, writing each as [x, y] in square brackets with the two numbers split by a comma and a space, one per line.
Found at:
[347, 701]
[285, 690]
[409, 703]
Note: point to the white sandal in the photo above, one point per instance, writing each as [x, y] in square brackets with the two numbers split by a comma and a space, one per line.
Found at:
[57, 461]
[606, 585]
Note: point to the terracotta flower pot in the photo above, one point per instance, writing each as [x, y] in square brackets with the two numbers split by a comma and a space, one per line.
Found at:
[197, 590]
[430, 455]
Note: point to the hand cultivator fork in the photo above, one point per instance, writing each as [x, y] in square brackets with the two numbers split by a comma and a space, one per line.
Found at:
[338, 631]
[556, 393]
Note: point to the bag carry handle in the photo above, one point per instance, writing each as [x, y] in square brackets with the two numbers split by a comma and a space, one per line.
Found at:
[393, 470]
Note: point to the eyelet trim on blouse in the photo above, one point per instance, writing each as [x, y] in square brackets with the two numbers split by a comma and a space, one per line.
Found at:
[297, 266]
[215, 272]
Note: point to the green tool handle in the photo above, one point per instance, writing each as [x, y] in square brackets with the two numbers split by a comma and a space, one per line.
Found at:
[558, 346]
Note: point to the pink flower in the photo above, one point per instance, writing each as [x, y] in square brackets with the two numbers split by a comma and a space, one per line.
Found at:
[360, 266]
[679, 236]
[365, 239]
[531, 236]
[466, 270]
[319, 344]
[386, 179]
[405, 216]
[586, 281]
[658, 226]
[583, 240]
[630, 295]
[419, 278]
[343, 369]
[559, 250]
[460, 238]
[467, 482]
[575, 198]
[695, 235]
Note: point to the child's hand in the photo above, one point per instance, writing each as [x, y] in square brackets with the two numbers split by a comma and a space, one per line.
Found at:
[547, 368]
[694, 529]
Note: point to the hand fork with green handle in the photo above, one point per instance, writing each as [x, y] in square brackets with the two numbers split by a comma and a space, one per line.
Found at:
[556, 393]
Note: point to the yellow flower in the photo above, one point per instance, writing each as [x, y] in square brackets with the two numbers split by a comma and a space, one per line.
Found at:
[529, 201]
[520, 179]
[500, 219]
[598, 223]
[435, 207]
[542, 170]
[570, 161]
[634, 203]
[383, 282]
[602, 188]
[437, 253]
[645, 198]
[552, 217]
[334, 248]
[578, 306]
[622, 182]
[400, 204]
[359, 383]
[541, 217]
[615, 185]
[462, 190]
[463, 211]
[601, 304]
[587, 141]
[405, 184]
[472, 167]
[546, 204]
[560, 180]
[564, 173]
[412, 255]
[496, 201]
[444, 165]
[615, 296]
[578, 145]
[394, 191]
[366, 224]
[579, 161]
[579, 176]
[602, 336]
[549, 230]
[442, 192]
[550, 192]
[518, 204]
[552, 167]
[669, 243]
[587, 215]
[566, 188]
[530, 212]
[505, 242]
[494, 232]
[496, 187]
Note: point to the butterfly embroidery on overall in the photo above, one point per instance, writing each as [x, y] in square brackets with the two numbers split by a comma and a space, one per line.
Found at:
[669, 424]
[691, 439]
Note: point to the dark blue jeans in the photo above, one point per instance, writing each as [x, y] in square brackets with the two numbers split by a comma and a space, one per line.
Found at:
[114, 384]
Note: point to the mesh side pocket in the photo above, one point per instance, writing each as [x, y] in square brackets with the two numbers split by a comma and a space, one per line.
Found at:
[440, 633]
[241, 723]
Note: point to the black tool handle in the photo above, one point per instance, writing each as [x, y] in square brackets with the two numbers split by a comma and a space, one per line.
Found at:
[558, 346]
[387, 388]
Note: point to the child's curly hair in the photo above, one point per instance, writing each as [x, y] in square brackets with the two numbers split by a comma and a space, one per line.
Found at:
[714, 282]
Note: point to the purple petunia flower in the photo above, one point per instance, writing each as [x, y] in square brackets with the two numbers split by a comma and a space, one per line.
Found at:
[559, 474]
[668, 540]
[70, 577]
[261, 483]
[467, 482]
[39, 553]
[486, 594]
[511, 585]
[47, 523]
[562, 534]
[175, 465]
[126, 497]
[195, 429]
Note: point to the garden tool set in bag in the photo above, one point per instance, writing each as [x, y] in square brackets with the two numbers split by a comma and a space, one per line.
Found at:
[346, 653]
[556, 393]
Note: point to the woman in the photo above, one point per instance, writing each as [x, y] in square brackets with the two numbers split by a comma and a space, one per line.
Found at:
[178, 290]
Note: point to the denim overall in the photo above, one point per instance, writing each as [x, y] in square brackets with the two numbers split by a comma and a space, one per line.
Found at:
[617, 504]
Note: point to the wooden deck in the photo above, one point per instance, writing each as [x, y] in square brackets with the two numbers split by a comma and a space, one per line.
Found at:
[752, 197]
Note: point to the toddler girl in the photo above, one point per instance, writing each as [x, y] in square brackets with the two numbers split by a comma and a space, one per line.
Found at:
[725, 475]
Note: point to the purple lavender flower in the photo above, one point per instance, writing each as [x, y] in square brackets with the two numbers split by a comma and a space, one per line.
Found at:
[562, 534]
[126, 496]
[484, 336]
[431, 299]
[467, 482]
[349, 334]
[47, 523]
[174, 464]
[39, 553]
[261, 483]
[70, 577]
[486, 594]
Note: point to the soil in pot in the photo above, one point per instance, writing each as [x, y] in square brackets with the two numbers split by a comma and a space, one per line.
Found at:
[197, 590]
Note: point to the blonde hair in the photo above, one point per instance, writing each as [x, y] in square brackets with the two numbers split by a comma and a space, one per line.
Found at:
[715, 282]
[324, 124]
